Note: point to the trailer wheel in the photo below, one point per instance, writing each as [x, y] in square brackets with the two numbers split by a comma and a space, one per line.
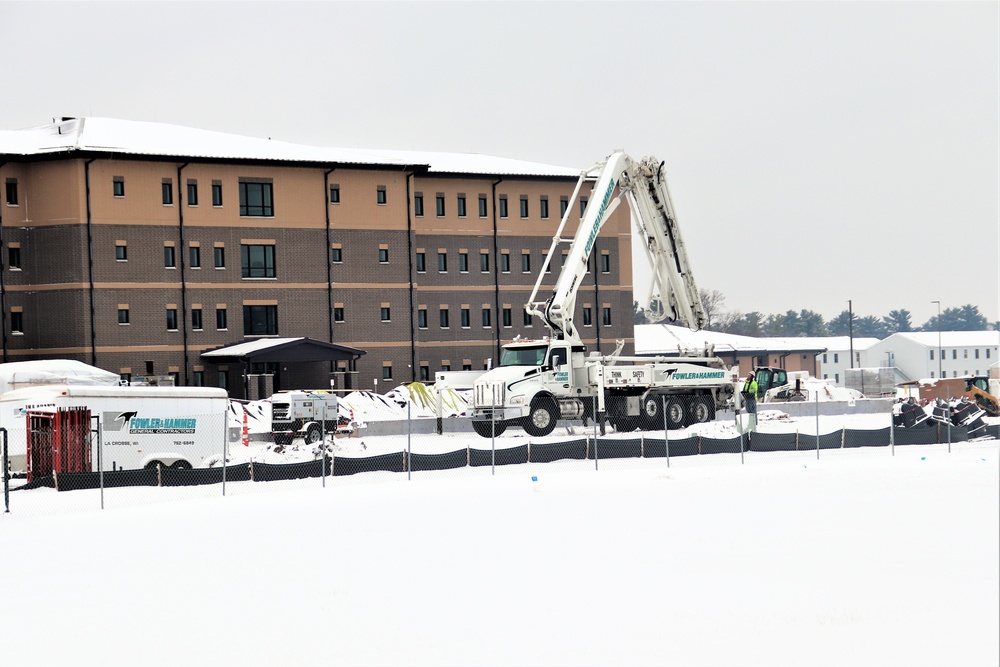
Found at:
[313, 435]
[180, 465]
[490, 428]
[542, 419]
[676, 413]
[153, 464]
[700, 410]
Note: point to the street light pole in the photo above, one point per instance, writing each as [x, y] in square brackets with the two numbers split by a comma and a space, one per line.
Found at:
[940, 351]
[850, 329]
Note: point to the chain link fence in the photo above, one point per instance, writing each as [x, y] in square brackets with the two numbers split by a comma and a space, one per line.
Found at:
[58, 460]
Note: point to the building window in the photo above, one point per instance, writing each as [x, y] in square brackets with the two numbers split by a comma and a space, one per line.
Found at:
[977, 356]
[171, 319]
[418, 204]
[123, 316]
[336, 255]
[463, 262]
[954, 354]
[443, 318]
[338, 314]
[195, 253]
[543, 207]
[525, 262]
[14, 262]
[383, 255]
[932, 356]
[256, 199]
[503, 206]
[387, 372]
[587, 317]
[505, 262]
[198, 378]
[380, 195]
[125, 379]
[11, 192]
[196, 319]
[192, 193]
[443, 262]
[334, 194]
[526, 318]
[421, 262]
[836, 377]
[385, 314]
[439, 204]
[482, 206]
[484, 262]
[118, 186]
[606, 315]
[169, 256]
[466, 318]
[461, 206]
[260, 320]
[425, 372]
[17, 322]
[605, 263]
[167, 188]
[258, 261]
[563, 205]
[466, 365]
[965, 353]
[524, 206]
[220, 257]
[507, 316]
[421, 318]
[216, 193]
[224, 380]
[487, 319]
[121, 252]
[221, 322]
[836, 357]
[583, 206]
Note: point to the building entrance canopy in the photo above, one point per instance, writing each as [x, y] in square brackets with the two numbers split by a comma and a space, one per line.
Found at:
[281, 350]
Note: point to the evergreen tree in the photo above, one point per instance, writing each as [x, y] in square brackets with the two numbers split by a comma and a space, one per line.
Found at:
[966, 318]
[869, 327]
[841, 324]
[897, 321]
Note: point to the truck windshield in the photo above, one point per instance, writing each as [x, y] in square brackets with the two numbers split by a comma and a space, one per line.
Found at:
[523, 356]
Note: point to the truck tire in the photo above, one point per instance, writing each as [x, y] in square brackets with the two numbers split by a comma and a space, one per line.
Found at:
[313, 435]
[542, 418]
[700, 410]
[652, 413]
[489, 429]
[676, 413]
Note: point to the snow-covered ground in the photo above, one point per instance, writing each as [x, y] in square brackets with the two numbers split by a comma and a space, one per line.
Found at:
[858, 558]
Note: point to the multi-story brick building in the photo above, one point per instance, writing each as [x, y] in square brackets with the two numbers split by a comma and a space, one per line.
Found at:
[136, 247]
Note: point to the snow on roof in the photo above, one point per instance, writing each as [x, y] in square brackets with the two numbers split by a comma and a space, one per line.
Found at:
[239, 349]
[109, 135]
[51, 372]
[831, 342]
[952, 338]
[669, 339]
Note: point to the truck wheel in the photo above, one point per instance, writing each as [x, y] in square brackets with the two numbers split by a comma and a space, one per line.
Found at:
[652, 413]
[700, 410]
[489, 429]
[313, 435]
[542, 419]
[676, 413]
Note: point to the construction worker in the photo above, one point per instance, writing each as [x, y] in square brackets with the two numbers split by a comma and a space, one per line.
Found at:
[749, 394]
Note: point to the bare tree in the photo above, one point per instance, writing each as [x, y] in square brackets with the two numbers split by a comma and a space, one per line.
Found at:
[712, 301]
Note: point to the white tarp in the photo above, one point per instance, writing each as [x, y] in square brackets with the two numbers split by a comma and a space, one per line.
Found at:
[19, 374]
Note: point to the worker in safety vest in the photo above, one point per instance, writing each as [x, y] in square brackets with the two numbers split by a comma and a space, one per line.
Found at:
[750, 394]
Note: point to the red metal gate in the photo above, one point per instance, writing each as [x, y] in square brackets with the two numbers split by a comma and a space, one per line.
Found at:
[58, 441]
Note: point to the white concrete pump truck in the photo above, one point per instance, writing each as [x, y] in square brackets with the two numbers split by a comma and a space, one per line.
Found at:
[540, 382]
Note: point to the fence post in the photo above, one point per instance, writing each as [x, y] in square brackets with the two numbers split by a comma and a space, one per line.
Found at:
[322, 431]
[892, 433]
[595, 434]
[666, 431]
[409, 402]
[817, 426]
[100, 457]
[6, 474]
[225, 446]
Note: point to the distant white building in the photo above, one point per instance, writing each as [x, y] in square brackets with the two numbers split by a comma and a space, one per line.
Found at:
[919, 355]
[837, 358]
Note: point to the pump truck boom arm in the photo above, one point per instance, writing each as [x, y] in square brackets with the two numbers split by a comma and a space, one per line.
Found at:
[673, 293]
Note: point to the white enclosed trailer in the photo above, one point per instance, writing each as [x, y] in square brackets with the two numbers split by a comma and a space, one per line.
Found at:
[139, 426]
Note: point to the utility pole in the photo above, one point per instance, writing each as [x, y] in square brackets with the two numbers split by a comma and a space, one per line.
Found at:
[850, 330]
[940, 351]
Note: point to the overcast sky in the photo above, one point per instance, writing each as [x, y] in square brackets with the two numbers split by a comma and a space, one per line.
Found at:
[816, 152]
